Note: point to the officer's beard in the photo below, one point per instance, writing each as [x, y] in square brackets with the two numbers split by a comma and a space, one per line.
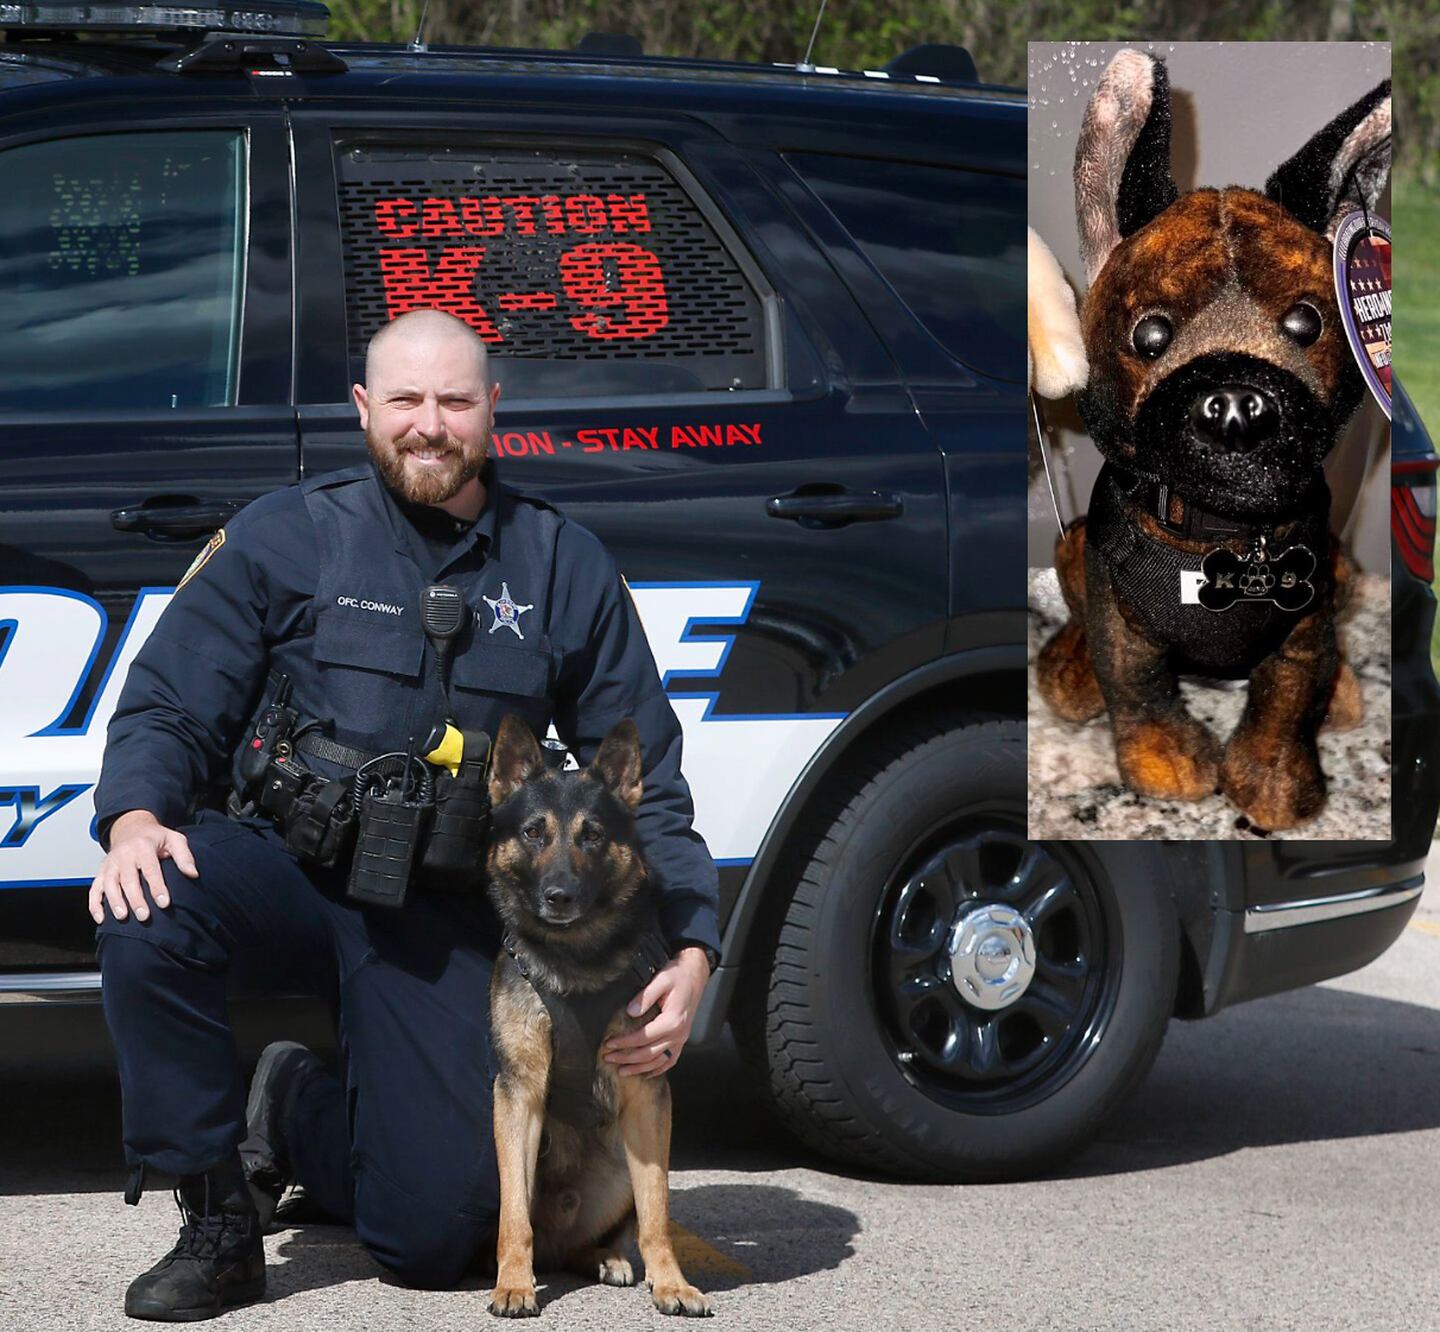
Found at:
[429, 485]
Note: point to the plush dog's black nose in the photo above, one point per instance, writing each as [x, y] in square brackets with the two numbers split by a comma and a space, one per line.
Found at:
[1236, 417]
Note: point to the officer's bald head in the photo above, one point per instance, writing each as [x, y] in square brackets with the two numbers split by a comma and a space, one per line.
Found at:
[427, 408]
[421, 334]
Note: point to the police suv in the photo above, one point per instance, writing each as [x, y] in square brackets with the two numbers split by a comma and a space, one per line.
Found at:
[760, 328]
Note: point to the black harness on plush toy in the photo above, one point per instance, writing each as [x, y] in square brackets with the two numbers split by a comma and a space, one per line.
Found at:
[1246, 602]
[577, 1025]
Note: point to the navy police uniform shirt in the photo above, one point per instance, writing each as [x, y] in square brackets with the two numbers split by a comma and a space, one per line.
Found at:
[322, 581]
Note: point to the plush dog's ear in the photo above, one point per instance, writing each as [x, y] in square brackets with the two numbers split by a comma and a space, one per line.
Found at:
[1122, 162]
[1054, 347]
[515, 760]
[1346, 163]
[618, 762]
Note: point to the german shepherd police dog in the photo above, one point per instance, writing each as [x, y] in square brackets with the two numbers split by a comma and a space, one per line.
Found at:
[1219, 380]
[572, 889]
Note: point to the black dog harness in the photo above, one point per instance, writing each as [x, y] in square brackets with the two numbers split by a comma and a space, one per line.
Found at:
[577, 1025]
[1247, 602]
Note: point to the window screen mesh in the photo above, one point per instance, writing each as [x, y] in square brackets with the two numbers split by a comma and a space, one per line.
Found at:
[554, 259]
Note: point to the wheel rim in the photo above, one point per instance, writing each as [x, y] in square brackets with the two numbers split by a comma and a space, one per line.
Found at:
[995, 965]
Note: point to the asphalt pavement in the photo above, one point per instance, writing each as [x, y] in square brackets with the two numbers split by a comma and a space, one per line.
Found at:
[1279, 1169]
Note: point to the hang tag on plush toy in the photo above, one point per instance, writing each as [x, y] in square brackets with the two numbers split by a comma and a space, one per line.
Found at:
[1257, 575]
[1362, 284]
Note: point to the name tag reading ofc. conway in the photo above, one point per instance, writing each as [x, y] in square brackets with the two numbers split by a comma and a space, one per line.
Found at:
[1225, 578]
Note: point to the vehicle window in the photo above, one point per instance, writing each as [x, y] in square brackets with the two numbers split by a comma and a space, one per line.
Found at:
[121, 271]
[951, 243]
[586, 274]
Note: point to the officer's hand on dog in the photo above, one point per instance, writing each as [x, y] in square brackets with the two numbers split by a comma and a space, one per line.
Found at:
[138, 843]
[655, 1047]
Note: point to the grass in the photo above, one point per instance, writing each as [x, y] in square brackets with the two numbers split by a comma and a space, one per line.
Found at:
[1416, 279]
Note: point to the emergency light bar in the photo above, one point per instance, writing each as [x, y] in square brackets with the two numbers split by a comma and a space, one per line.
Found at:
[287, 18]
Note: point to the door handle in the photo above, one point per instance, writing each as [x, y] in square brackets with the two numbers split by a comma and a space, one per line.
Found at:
[165, 520]
[834, 506]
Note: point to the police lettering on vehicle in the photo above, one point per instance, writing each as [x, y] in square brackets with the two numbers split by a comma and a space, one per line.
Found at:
[46, 833]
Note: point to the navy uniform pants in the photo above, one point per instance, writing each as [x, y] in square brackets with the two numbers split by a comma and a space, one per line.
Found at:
[403, 1147]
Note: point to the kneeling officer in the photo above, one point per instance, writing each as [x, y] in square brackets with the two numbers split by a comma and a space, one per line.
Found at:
[323, 586]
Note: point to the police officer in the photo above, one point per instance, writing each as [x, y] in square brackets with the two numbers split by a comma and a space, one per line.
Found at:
[321, 581]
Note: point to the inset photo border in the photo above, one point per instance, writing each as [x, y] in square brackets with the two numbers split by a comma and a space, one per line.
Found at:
[1194, 392]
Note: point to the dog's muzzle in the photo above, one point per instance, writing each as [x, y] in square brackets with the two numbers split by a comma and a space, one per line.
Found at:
[1235, 433]
[559, 904]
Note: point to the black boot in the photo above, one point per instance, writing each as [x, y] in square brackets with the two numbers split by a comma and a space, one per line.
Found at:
[283, 1066]
[219, 1260]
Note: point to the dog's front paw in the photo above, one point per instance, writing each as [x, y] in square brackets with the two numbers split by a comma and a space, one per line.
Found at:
[678, 1297]
[1274, 783]
[513, 1302]
[616, 1271]
[1065, 676]
[1175, 758]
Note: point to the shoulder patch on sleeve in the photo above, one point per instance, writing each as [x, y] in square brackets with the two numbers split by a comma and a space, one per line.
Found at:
[199, 561]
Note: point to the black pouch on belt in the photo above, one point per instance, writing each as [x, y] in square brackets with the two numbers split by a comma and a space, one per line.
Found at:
[388, 834]
[321, 824]
[455, 853]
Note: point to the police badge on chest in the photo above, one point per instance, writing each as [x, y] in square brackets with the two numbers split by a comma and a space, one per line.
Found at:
[507, 612]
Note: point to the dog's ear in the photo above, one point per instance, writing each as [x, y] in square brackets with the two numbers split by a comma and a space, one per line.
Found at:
[618, 763]
[1347, 163]
[1054, 345]
[515, 760]
[1122, 162]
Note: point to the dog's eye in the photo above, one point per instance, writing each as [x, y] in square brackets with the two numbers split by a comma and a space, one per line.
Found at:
[1302, 323]
[1152, 335]
[535, 831]
[591, 835]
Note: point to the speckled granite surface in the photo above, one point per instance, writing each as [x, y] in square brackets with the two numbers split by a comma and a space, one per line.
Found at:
[1075, 790]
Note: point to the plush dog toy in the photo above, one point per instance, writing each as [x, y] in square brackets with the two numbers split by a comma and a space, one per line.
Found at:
[1219, 379]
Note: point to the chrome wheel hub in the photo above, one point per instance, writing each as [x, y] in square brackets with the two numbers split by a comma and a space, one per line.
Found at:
[992, 956]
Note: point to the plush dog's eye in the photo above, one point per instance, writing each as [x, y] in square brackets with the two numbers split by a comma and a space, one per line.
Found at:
[1152, 335]
[534, 831]
[1302, 323]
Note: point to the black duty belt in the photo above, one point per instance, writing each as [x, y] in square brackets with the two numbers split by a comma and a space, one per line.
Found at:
[332, 751]
[577, 1026]
[387, 826]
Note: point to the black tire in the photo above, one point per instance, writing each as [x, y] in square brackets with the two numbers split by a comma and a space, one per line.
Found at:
[939, 1088]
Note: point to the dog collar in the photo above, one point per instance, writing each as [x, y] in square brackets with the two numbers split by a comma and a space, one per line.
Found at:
[1189, 520]
[650, 955]
[1265, 571]
[1247, 571]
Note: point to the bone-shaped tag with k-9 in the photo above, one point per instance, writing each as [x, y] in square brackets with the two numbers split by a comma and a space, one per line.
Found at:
[1255, 576]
